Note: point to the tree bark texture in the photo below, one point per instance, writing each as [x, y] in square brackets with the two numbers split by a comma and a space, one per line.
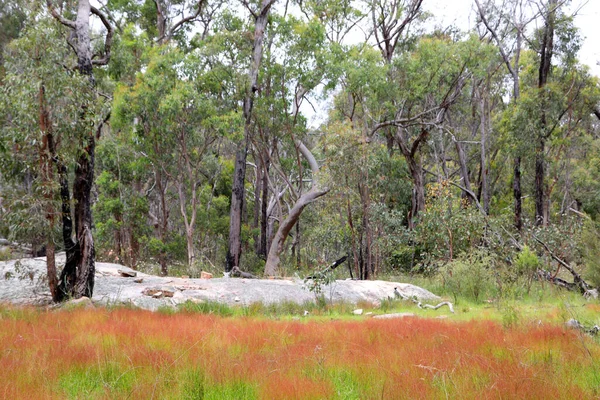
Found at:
[416, 173]
[234, 250]
[77, 277]
[316, 191]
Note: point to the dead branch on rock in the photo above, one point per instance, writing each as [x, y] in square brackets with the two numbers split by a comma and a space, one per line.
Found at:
[424, 306]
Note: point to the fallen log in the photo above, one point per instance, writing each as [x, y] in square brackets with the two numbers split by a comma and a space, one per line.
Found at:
[424, 306]
[578, 282]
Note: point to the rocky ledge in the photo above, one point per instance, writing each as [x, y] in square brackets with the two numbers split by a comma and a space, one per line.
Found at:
[24, 282]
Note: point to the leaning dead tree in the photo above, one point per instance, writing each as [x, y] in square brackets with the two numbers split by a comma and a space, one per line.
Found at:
[77, 277]
[578, 283]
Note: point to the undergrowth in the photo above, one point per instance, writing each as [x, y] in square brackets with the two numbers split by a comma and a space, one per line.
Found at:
[210, 351]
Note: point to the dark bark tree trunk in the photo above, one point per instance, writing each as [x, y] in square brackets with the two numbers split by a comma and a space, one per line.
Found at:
[517, 194]
[485, 195]
[163, 222]
[77, 278]
[416, 173]
[82, 189]
[546, 52]
[463, 169]
[368, 267]
[239, 176]
[262, 248]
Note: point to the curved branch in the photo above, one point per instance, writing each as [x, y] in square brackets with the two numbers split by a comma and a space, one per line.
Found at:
[108, 39]
[179, 24]
[58, 16]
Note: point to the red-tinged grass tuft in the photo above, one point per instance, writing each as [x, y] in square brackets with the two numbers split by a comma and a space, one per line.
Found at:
[134, 354]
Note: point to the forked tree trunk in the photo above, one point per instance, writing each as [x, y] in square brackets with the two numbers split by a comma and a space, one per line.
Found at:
[77, 277]
[316, 191]
[418, 193]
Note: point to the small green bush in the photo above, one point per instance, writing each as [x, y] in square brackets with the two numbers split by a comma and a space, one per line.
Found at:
[470, 276]
[527, 264]
[590, 243]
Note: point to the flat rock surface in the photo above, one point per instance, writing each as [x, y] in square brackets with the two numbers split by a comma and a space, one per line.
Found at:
[24, 282]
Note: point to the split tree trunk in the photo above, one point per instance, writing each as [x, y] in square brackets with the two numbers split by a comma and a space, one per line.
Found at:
[316, 191]
[77, 277]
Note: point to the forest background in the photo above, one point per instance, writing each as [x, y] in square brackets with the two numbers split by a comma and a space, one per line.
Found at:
[276, 137]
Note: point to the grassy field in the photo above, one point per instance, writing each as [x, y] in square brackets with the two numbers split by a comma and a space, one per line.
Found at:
[516, 350]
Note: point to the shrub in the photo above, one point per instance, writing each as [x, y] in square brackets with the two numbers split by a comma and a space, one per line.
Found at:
[470, 276]
[590, 241]
[527, 264]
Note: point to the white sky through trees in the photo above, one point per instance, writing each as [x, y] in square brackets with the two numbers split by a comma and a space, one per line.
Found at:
[462, 14]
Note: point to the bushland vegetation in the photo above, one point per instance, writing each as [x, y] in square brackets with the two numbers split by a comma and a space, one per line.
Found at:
[180, 136]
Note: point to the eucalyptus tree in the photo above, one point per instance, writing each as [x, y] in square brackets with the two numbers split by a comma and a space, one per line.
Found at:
[179, 132]
[290, 78]
[68, 119]
[77, 277]
[507, 24]
[260, 15]
[36, 136]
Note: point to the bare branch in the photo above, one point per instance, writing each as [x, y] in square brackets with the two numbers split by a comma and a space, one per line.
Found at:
[108, 39]
[185, 20]
[58, 16]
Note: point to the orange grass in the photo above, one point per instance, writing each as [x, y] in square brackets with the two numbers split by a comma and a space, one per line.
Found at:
[136, 354]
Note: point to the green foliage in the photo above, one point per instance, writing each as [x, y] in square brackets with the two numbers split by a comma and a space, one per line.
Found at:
[449, 226]
[527, 264]
[26, 195]
[470, 276]
[590, 243]
[207, 307]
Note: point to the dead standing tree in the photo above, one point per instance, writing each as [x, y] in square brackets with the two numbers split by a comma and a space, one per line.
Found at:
[77, 277]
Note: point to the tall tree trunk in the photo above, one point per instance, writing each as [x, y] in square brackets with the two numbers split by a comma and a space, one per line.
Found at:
[485, 195]
[46, 167]
[163, 222]
[517, 194]
[77, 277]
[366, 227]
[239, 175]
[512, 64]
[82, 189]
[262, 249]
[463, 169]
[541, 218]
[418, 193]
